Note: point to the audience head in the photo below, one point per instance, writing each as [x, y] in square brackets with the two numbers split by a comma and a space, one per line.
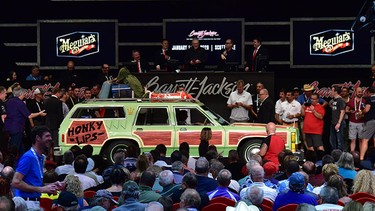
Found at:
[50, 177]
[87, 150]
[68, 157]
[357, 161]
[166, 178]
[119, 156]
[147, 178]
[184, 146]
[176, 156]
[130, 190]
[189, 180]
[6, 203]
[338, 182]
[250, 164]
[19, 203]
[105, 198]
[353, 205]
[206, 134]
[297, 182]
[215, 167]
[155, 154]
[256, 157]
[336, 153]
[155, 206]
[132, 151]
[364, 182]
[346, 161]
[255, 195]
[329, 195]
[328, 170]
[142, 163]
[202, 166]
[7, 173]
[162, 149]
[233, 155]
[224, 177]
[309, 167]
[211, 154]
[118, 176]
[67, 200]
[73, 184]
[166, 203]
[326, 159]
[190, 198]
[257, 173]
[76, 150]
[80, 164]
[305, 207]
[291, 167]
[368, 206]
[270, 168]
[178, 166]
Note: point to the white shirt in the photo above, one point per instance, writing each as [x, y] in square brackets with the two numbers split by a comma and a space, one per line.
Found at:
[64, 169]
[269, 193]
[86, 182]
[278, 107]
[292, 108]
[240, 113]
[191, 162]
[330, 207]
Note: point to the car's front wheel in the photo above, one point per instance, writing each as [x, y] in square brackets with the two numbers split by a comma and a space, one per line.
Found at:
[250, 147]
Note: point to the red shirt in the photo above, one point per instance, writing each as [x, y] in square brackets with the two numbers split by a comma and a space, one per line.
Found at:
[275, 146]
[356, 106]
[313, 125]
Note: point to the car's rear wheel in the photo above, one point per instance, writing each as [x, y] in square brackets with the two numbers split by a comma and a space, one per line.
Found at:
[113, 147]
[250, 147]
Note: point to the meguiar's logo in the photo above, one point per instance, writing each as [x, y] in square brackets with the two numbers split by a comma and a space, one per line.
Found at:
[77, 44]
[331, 42]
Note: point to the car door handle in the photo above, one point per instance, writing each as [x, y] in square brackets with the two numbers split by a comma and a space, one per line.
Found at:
[183, 129]
[139, 129]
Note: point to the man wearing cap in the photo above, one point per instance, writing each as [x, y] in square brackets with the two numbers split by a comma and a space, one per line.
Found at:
[296, 194]
[104, 198]
[36, 105]
[305, 99]
[66, 200]
[131, 193]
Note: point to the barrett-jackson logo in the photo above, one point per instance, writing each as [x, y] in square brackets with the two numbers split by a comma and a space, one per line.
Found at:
[77, 44]
[331, 42]
[203, 33]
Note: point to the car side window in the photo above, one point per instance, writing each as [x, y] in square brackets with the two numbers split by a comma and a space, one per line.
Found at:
[98, 112]
[152, 116]
[191, 116]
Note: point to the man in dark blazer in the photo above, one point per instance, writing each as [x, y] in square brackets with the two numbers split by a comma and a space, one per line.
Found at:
[54, 110]
[138, 64]
[266, 111]
[195, 57]
[163, 58]
[257, 61]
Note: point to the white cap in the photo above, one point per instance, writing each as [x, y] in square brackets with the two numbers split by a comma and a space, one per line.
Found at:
[242, 206]
[162, 163]
[37, 91]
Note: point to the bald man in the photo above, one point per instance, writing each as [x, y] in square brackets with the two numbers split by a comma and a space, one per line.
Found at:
[272, 145]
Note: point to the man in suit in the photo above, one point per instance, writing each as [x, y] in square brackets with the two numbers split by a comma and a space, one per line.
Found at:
[163, 57]
[258, 60]
[140, 64]
[54, 110]
[266, 112]
[195, 57]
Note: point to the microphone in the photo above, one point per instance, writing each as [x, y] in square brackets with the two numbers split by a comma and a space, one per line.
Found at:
[362, 19]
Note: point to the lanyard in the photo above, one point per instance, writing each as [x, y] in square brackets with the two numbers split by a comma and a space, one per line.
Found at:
[37, 160]
[359, 104]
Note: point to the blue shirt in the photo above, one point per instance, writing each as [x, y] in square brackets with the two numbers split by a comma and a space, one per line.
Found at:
[284, 186]
[347, 173]
[33, 78]
[32, 171]
[223, 192]
[17, 113]
[292, 197]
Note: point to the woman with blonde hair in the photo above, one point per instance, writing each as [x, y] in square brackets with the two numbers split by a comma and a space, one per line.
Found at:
[364, 182]
[205, 137]
[74, 185]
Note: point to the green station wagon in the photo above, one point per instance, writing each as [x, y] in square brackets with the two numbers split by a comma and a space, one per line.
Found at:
[109, 124]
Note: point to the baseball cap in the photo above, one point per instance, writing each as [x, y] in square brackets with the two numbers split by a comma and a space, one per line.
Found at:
[66, 199]
[242, 206]
[296, 182]
[37, 91]
[162, 163]
[130, 186]
[106, 194]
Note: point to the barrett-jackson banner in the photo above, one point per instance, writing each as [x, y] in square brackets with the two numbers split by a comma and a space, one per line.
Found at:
[213, 89]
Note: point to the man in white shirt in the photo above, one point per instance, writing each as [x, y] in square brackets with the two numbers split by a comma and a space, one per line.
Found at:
[80, 165]
[67, 168]
[282, 98]
[289, 112]
[241, 103]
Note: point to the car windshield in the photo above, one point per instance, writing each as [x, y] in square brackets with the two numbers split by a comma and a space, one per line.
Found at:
[215, 116]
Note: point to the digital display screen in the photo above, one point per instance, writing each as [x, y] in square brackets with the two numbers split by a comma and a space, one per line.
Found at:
[328, 43]
[211, 33]
[89, 43]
